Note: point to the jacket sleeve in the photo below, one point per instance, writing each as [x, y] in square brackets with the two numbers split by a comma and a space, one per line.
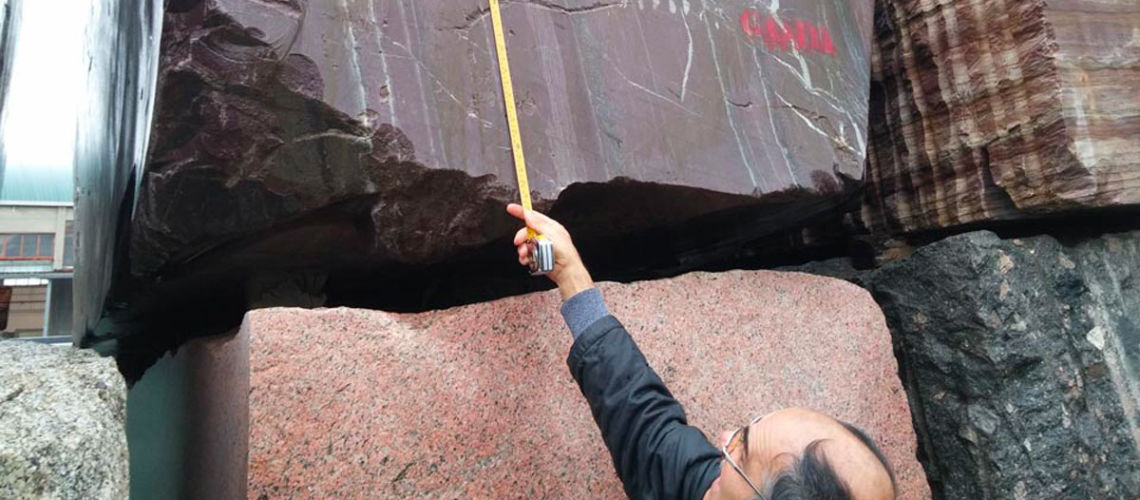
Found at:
[656, 453]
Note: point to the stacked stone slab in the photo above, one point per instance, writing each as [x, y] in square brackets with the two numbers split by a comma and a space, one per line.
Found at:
[364, 144]
[1021, 359]
[993, 110]
[388, 116]
[477, 401]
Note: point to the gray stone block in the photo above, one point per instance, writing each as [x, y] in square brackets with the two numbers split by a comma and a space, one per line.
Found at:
[1021, 359]
[62, 416]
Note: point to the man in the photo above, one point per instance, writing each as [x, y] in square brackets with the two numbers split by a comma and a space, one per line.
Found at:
[789, 454]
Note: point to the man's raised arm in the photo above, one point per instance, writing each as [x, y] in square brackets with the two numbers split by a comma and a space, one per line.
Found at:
[656, 453]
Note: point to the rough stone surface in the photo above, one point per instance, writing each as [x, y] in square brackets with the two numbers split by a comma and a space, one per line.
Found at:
[994, 110]
[1021, 359]
[363, 144]
[476, 401]
[387, 117]
[62, 417]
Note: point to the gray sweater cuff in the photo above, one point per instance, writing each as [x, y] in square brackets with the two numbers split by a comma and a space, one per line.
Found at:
[582, 310]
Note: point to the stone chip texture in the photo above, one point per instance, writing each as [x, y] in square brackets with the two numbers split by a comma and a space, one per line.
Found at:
[1021, 361]
[991, 110]
[477, 401]
[62, 417]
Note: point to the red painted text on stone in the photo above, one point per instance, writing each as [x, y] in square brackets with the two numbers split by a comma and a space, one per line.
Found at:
[798, 34]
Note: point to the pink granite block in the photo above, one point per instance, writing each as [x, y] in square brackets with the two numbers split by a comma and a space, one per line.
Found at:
[477, 401]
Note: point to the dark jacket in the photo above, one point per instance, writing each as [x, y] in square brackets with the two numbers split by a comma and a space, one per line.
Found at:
[656, 453]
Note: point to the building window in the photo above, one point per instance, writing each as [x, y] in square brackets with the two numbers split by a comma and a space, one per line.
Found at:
[47, 245]
[27, 246]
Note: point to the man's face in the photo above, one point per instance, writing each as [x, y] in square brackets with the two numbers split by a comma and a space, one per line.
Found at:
[775, 441]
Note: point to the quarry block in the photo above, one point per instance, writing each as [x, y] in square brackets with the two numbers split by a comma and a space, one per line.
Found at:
[998, 110]
[387, 118]
[1020, 359]
[62, 423]
[477, 401]
[363, 146]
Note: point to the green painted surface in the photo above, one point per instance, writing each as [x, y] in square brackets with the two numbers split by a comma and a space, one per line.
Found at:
[158, 423]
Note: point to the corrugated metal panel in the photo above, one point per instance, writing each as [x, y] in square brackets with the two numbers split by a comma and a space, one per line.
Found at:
[38, 184]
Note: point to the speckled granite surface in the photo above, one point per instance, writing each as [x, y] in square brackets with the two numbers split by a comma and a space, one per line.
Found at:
[62, 413]
[477, 402]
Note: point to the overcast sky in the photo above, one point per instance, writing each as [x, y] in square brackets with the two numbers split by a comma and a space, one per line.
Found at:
[48, 83]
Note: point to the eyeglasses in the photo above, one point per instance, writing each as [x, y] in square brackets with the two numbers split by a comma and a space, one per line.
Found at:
[730, 446]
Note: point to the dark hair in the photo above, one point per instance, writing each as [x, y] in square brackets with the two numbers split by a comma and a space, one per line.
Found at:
[812, 478]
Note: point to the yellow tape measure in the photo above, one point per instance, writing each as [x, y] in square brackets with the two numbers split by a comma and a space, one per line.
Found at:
[541, 248]
[509, 103]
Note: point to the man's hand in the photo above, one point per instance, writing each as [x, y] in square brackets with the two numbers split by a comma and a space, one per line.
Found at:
[569, 273]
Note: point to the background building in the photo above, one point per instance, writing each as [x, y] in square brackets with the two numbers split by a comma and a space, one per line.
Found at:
[42, 84]
[37, 250]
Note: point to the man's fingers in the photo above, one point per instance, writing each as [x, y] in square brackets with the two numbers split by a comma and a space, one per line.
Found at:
[520, 237]
[535, 220]
[539, 222]
[516, 211]
[524, 255]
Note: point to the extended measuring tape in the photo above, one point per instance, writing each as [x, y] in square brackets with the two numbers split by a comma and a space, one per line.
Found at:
[541, 249]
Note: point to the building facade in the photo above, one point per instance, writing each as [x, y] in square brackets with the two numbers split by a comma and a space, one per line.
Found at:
[37, 251]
